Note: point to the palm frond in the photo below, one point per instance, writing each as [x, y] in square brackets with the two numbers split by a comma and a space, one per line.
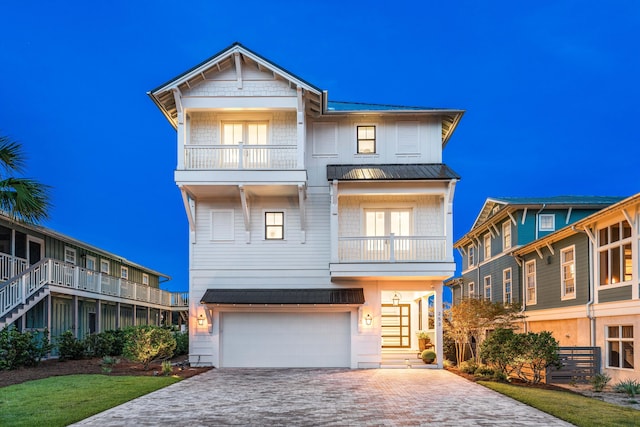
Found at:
[11, 156]
[24, 199]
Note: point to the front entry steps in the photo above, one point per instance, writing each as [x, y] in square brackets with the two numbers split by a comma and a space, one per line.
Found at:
[403, 359]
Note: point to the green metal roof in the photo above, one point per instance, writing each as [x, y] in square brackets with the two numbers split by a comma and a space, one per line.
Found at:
[360, 106]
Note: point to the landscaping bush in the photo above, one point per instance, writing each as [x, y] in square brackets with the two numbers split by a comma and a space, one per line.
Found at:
[182, 343]
[484, 371]
[525, 355]
[145, 344]
[629, 386]
[20, 349]
[468, 366]
[428, 356]
[70, 347]
[599, 381]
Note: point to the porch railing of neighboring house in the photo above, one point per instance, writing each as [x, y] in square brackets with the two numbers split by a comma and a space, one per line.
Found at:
[392, 249]
[11, 266]
[57, 273]
[240, 156]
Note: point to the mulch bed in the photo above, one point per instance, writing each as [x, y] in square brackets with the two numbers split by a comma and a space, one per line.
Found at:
[54, 367]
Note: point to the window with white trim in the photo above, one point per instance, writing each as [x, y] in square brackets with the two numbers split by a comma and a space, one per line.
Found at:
[620, 346]
[568, 272]
[487, 246]
[615, 260]
[274, 225]
[104, 266]
[145, 279]
[70, 255]
[472, 290]
[471, 256]
[222, 225]
[506, 235]
[530, 278]
[507, 286]
[546, 222]
[487, 288]
[124, 272]
[366, 136]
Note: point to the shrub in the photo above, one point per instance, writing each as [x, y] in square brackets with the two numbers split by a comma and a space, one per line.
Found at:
[19, 349]
[629, 386]
[145, 344]
[484, 371]
[182, 343]
[69, 347]
[499, 349]
[428, 356]
[599, 381]
[108, 363]
[468, 366]
[167, 368]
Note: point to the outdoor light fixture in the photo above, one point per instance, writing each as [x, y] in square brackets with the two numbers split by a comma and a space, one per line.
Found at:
[396, 299]
[368, 320]
[201, 320]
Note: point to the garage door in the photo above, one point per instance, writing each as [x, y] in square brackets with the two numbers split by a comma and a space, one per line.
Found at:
[285, 340]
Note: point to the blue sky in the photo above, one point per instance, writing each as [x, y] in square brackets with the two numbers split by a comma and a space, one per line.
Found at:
[550, 90]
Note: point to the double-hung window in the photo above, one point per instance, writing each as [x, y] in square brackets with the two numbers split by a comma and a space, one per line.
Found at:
[506, 236]
[614, 247]
[620, 346]
[471, 254]
[568, 272]
[366, 139]
[530, 277]
[487, 288]
[487, 246]
[274, 225]
[472, 290]
[124, 273]
[507, 294]
[70, 255]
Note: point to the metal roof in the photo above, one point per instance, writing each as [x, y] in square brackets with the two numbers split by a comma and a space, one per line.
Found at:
[558, 200]
[430, 171]
[361, 106]
[284, 296]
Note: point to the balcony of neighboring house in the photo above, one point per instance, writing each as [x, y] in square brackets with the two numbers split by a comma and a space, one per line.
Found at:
[22, 282]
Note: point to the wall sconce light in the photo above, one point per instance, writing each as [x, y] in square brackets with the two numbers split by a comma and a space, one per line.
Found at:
[201, 320]
[368, 319]
[396, 299]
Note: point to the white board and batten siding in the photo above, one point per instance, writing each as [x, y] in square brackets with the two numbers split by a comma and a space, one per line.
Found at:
[334, 141]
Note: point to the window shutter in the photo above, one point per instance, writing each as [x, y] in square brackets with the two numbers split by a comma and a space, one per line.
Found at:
[325, 139]
[222, 225]
[408, 137]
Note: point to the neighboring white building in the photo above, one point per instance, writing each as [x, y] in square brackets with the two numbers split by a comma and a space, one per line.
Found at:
[307, 217]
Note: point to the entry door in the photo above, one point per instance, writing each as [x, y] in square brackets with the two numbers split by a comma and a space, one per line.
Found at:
[35, 250]
[396, 329]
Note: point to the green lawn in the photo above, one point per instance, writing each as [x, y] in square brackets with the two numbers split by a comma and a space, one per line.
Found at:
[571, 407]
[60, 401]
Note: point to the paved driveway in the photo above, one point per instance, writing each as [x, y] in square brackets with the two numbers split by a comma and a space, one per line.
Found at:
[338, 397]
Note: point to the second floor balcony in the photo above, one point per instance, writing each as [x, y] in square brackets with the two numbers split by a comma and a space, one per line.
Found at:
[267, 169]
[392, 258]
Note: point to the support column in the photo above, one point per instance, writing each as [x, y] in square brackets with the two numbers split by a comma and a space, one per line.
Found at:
[118, 322]
[437, 312]
[333, 222]
[74, 308]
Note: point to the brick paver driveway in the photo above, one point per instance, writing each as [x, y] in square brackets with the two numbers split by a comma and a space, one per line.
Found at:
[302, 397]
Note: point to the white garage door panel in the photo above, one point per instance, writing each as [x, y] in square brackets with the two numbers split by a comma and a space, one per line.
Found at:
[285, 340]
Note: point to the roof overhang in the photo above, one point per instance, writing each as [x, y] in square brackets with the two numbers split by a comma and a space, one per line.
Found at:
[283, 297]
[399, 172]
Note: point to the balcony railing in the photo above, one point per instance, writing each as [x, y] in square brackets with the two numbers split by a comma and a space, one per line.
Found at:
[58, 273]
[392, 248]
[241, 156]
[11, 266]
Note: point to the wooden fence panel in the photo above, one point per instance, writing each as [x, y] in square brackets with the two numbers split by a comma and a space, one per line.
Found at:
[579, 364]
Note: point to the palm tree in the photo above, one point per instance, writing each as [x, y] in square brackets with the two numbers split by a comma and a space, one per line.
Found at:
[23, 199]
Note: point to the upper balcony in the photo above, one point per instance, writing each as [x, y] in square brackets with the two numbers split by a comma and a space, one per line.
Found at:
[391, 222]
